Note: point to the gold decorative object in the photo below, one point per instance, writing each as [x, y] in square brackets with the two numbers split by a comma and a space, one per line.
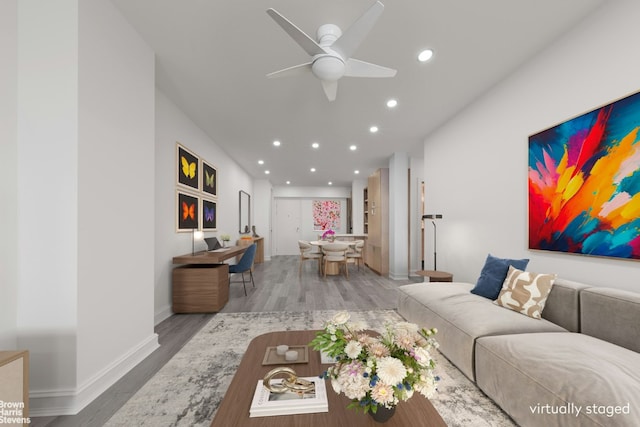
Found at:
[290, 383]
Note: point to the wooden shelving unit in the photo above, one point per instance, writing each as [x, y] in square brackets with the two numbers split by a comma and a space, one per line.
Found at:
[366, 211]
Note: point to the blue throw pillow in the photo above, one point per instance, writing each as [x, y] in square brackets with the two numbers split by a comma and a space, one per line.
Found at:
[493, 274]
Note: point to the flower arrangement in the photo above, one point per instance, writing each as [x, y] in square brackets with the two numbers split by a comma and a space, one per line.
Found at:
[328, 234]
[225, 237]
[377, 371]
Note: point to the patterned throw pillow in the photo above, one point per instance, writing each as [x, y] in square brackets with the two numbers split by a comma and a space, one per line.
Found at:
[525, 292]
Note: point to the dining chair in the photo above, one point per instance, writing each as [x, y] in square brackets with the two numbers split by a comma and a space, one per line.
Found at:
[245, 264]
[335, 253]
[356, 253]
[307, 253]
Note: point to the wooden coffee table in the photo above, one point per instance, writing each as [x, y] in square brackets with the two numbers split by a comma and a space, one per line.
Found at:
[234, 409]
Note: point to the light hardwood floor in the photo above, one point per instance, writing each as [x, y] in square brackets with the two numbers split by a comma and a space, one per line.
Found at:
[278, 287]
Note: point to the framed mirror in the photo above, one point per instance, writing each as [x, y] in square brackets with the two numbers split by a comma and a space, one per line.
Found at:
[245, 212]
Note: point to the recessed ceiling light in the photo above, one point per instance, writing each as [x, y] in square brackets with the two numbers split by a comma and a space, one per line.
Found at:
[288, 182]
[353, 148]
[330, 183]
[312, 169]
[261, 162]
[276, 143]
[267, 172]
[425, 55]
[315, 145]
[373, 129]
[392, 103]
[356, 172]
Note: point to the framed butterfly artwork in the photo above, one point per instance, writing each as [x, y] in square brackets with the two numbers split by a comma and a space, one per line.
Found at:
[209, 215]
[187, 209]
[209, 179]
[188, 167]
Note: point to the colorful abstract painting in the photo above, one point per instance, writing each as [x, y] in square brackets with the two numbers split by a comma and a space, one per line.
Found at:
[326, 215]
[584, 183]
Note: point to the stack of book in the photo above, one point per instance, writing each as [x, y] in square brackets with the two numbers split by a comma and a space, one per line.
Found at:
[266, 403]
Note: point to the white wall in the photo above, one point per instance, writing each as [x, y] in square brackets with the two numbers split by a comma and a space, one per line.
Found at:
[476, 165]
[48, 149]
[415, 214]
[399, 216]
[261, 213]
[84, 280]
[173, 126]
[115, 192]
[8, 173]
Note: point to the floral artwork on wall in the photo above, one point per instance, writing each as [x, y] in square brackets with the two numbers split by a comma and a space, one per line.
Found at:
[584, 183]
[326, 215]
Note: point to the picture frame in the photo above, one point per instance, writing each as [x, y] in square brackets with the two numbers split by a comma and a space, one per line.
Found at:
[187, 212]
[187, 168]
[209, 179]
[209, 215]
[584, 183]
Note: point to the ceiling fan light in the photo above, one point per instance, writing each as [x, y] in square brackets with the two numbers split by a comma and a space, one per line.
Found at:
[329, 68]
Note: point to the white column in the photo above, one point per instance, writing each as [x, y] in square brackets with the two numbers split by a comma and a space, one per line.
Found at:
[399, 216]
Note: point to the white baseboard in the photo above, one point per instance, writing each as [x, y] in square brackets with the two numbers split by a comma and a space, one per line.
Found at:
[43, 403]
[394, 276]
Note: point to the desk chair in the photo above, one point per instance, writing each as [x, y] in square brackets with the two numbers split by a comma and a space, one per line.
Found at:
[356, 253]
[307, 253]
[336, 253]
[245, 264]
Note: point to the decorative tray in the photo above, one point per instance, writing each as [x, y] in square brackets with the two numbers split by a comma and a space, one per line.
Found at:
[271, 356]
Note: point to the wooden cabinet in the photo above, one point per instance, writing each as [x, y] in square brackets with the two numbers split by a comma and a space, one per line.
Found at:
[377, 245]
[365, 194]
[200, 288]
[14, 388]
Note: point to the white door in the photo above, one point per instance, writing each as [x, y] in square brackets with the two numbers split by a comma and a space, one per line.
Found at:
[287, 226]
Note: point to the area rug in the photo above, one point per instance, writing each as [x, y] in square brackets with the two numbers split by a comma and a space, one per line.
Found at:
[189, 388]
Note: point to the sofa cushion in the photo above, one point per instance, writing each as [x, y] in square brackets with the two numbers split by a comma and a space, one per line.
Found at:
[493, 274]
[532, 375]
[612, 315]
[563, 304]
[461, 317]
[525, 292]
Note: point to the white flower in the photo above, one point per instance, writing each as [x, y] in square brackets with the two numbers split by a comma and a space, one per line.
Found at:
[382, 393]
[353, 349]
[426, 386]
[391, 370]
[341, 318]
[422, 356]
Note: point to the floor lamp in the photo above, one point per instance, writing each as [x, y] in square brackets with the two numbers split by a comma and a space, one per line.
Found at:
[433, 217]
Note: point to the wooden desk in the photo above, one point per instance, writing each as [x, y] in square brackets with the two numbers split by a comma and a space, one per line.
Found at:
[234, 408]
[209, 257]
[201, 284]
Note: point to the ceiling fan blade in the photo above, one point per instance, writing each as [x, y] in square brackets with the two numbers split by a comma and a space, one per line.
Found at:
[357, 68]
[347, 44]
[330, 89]
[296, 70]
[307, 43]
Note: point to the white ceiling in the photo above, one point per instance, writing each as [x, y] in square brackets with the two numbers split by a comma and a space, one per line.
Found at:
[212, 57]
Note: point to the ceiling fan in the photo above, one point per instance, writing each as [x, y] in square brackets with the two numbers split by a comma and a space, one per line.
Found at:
[331, 54]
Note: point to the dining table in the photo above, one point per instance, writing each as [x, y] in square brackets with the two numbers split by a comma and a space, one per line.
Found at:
[333, 269]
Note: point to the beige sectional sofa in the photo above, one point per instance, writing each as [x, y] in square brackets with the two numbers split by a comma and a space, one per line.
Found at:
[577, 366]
